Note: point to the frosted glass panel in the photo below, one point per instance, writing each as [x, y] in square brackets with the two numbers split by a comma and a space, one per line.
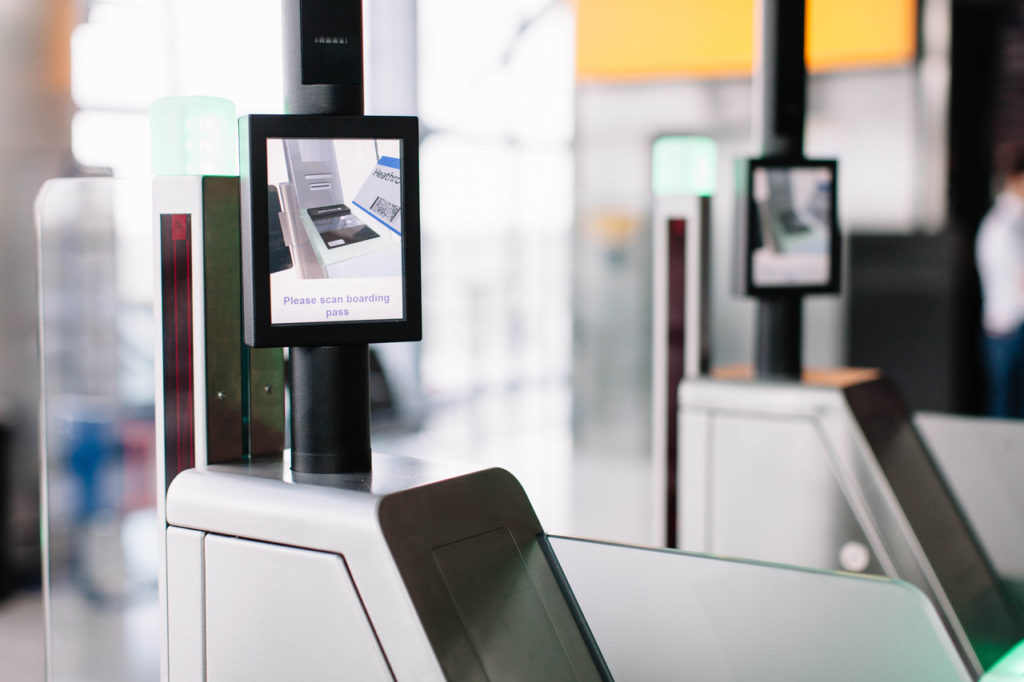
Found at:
[98, 456]
[668, 615]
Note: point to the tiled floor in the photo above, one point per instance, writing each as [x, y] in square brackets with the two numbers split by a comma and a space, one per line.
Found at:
[21, 637]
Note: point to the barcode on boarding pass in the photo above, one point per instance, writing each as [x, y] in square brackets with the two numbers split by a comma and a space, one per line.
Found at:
[384, 208]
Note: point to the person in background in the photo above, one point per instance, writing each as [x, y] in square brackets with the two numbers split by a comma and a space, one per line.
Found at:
[999, 255]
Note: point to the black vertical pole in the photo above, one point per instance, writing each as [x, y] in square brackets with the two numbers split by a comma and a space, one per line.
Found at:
[330, 386]
[780, 102]
[703, 335]
[330, 409]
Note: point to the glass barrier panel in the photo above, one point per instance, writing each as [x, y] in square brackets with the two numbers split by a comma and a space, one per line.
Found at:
[669, 615]
[98, 439]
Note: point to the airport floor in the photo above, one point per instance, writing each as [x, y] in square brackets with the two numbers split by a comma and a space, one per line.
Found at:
[21, 637]
[525, 431]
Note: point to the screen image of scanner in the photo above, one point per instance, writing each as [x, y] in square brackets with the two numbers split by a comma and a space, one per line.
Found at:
[340, 211]
[792, 213]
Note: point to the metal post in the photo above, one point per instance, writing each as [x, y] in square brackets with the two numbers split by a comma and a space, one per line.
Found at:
[330, 403]
[778, 344]
[780, 95]
[330, 386]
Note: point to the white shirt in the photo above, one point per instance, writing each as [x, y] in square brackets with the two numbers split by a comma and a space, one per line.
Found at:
[999, 254]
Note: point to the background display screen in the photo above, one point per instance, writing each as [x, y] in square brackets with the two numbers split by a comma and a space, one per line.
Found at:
[335, 238]
[792, 226]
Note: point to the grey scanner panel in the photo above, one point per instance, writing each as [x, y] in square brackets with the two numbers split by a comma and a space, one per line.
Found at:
[501, 609]
[668, 615]
[982, 458]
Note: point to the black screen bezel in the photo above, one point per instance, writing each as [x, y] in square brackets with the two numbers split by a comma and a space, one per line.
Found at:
[748, 226]
[254, 131]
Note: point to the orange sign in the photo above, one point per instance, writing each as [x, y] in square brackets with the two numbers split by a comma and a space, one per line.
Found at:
[648, 39]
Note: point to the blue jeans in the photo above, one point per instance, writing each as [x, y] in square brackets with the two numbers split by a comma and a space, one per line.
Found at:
[1004, 369]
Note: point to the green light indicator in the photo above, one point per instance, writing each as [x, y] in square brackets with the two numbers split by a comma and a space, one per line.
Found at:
[684, 165]
[193, 136]
[1009, 667]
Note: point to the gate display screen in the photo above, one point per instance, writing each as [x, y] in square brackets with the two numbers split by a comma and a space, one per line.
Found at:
[330, 221]
[790, 231]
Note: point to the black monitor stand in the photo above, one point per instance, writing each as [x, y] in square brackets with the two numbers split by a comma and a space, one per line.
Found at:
[330, 409]
[779, 346]
[781, 85]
